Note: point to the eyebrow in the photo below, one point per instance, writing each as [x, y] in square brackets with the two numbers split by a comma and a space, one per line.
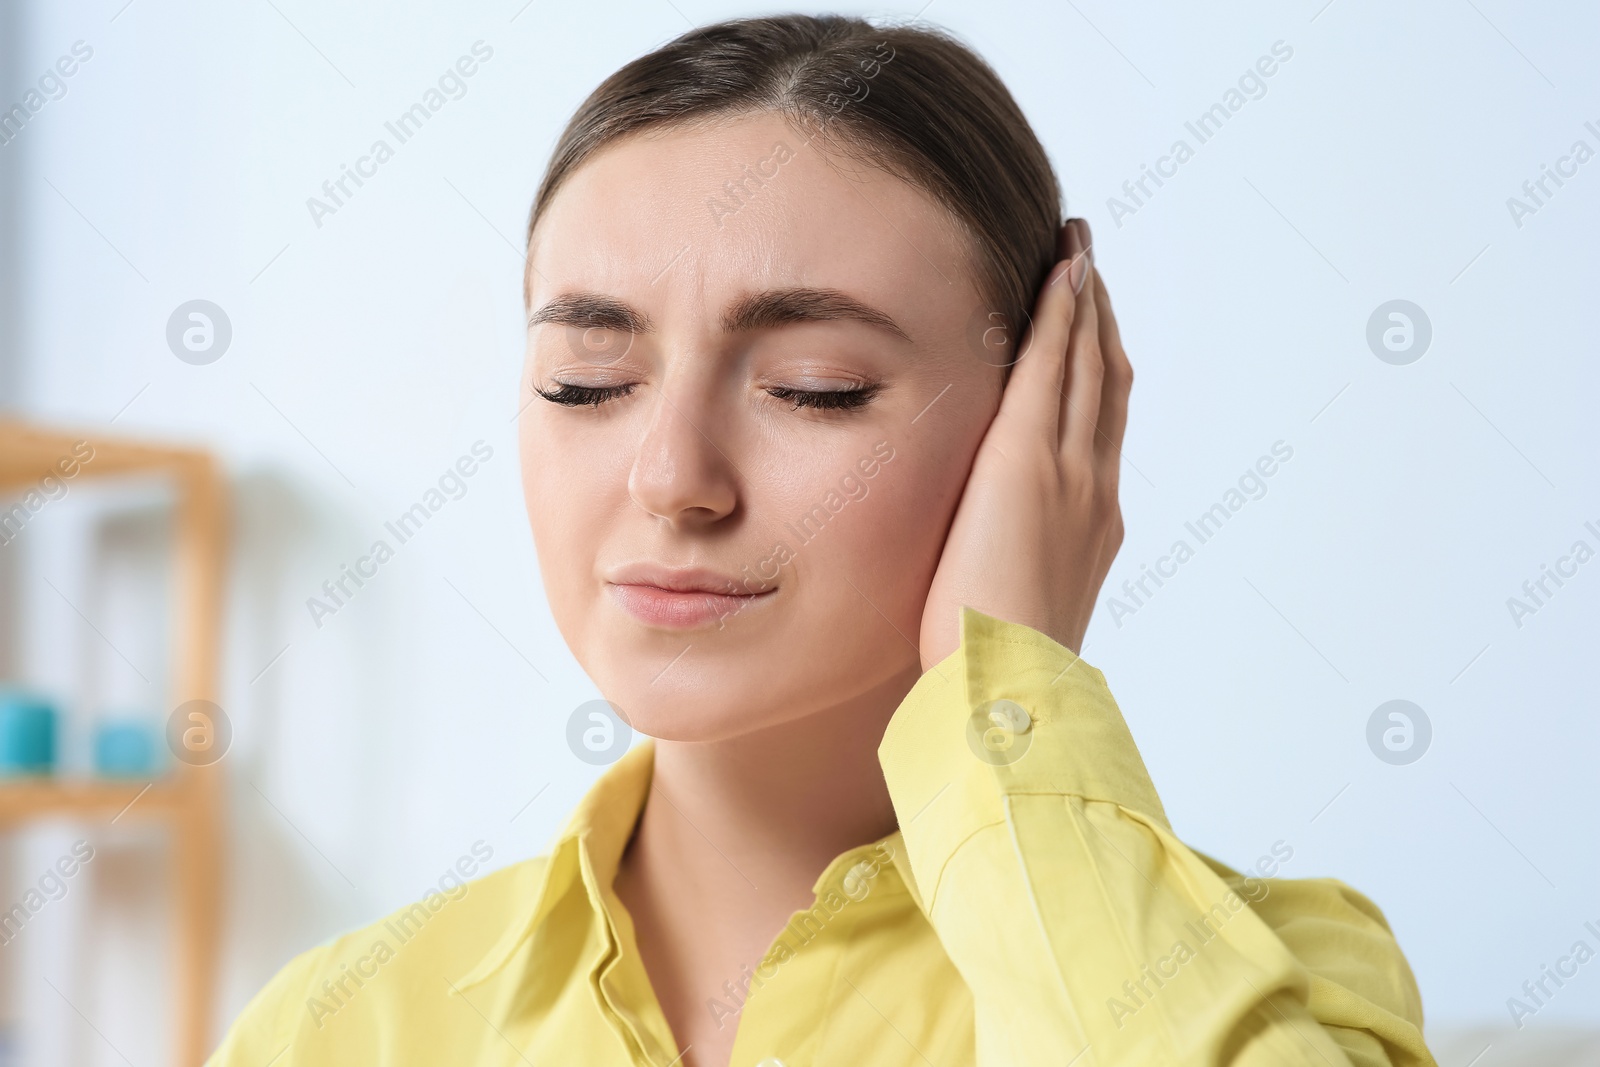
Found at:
[756, 311]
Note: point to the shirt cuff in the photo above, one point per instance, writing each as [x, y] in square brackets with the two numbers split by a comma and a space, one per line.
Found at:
[1010, 712]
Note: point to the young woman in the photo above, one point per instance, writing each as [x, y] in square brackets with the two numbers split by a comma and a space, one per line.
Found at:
[821, 427]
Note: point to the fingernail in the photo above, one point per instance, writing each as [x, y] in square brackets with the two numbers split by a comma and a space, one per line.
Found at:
[1086, 251]
[1079, 270]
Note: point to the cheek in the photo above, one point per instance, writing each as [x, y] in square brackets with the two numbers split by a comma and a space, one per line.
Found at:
[922, 486]
[887, 531]
[571, 490]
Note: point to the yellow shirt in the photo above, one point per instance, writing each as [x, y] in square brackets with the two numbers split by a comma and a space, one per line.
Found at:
[1033, 908]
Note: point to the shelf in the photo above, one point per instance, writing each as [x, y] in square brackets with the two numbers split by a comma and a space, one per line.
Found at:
[32, 452]
[189, 800]
[22, 799]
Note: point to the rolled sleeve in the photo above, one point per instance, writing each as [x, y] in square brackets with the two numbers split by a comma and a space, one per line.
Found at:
[1082, 925]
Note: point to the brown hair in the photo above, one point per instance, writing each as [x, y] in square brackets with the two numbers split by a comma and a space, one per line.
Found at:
[913, 101]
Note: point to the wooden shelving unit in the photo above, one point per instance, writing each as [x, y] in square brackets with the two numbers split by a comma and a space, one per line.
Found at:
[188, 799]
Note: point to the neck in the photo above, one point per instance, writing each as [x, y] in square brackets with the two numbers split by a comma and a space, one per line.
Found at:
[768, 811]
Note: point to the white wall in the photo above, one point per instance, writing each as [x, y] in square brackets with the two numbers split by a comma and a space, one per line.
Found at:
[371, 351]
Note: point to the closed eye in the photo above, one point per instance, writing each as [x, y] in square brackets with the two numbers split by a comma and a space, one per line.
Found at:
[570, 395]
[828, 399]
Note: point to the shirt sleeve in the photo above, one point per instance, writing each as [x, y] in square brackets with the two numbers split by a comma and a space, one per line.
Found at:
[1086, 931]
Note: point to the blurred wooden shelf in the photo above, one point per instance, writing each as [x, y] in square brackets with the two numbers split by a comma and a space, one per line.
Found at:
[22, 799]
[29, 452]
[189, 799]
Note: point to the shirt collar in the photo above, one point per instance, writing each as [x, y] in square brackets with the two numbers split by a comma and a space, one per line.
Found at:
[594, 838]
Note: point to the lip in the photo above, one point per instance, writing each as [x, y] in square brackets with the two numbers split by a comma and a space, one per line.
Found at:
[679, 598]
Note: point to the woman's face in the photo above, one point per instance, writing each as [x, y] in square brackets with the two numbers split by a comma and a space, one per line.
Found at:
[780, 398]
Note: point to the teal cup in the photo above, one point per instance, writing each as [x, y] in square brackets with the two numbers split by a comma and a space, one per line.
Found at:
[27, 733]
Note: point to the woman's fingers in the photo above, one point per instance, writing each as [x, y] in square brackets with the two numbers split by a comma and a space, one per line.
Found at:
[1118, 380]
[1080, 401]
[1032, 394]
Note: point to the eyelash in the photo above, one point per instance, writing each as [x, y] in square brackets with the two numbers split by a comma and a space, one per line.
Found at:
[825, 400]
[569, 395]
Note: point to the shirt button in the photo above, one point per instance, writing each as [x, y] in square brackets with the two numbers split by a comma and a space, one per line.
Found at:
[1010, 714]
[999, 732]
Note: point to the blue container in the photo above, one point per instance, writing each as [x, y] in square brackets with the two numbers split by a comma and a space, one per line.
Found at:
[27, 733]
[124, 748]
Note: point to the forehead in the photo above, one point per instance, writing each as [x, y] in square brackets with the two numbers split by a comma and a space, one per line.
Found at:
[698, 215]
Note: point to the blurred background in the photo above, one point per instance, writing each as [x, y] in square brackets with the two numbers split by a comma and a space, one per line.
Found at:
[1374, 265]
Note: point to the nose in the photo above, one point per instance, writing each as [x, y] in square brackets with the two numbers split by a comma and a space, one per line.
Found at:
[680, 473]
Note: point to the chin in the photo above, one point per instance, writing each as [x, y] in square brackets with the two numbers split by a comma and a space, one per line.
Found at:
[754, 672]
[725, 685]
[736, 704]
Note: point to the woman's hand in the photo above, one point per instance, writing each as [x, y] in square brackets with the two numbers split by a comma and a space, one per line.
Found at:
[1038, 523]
